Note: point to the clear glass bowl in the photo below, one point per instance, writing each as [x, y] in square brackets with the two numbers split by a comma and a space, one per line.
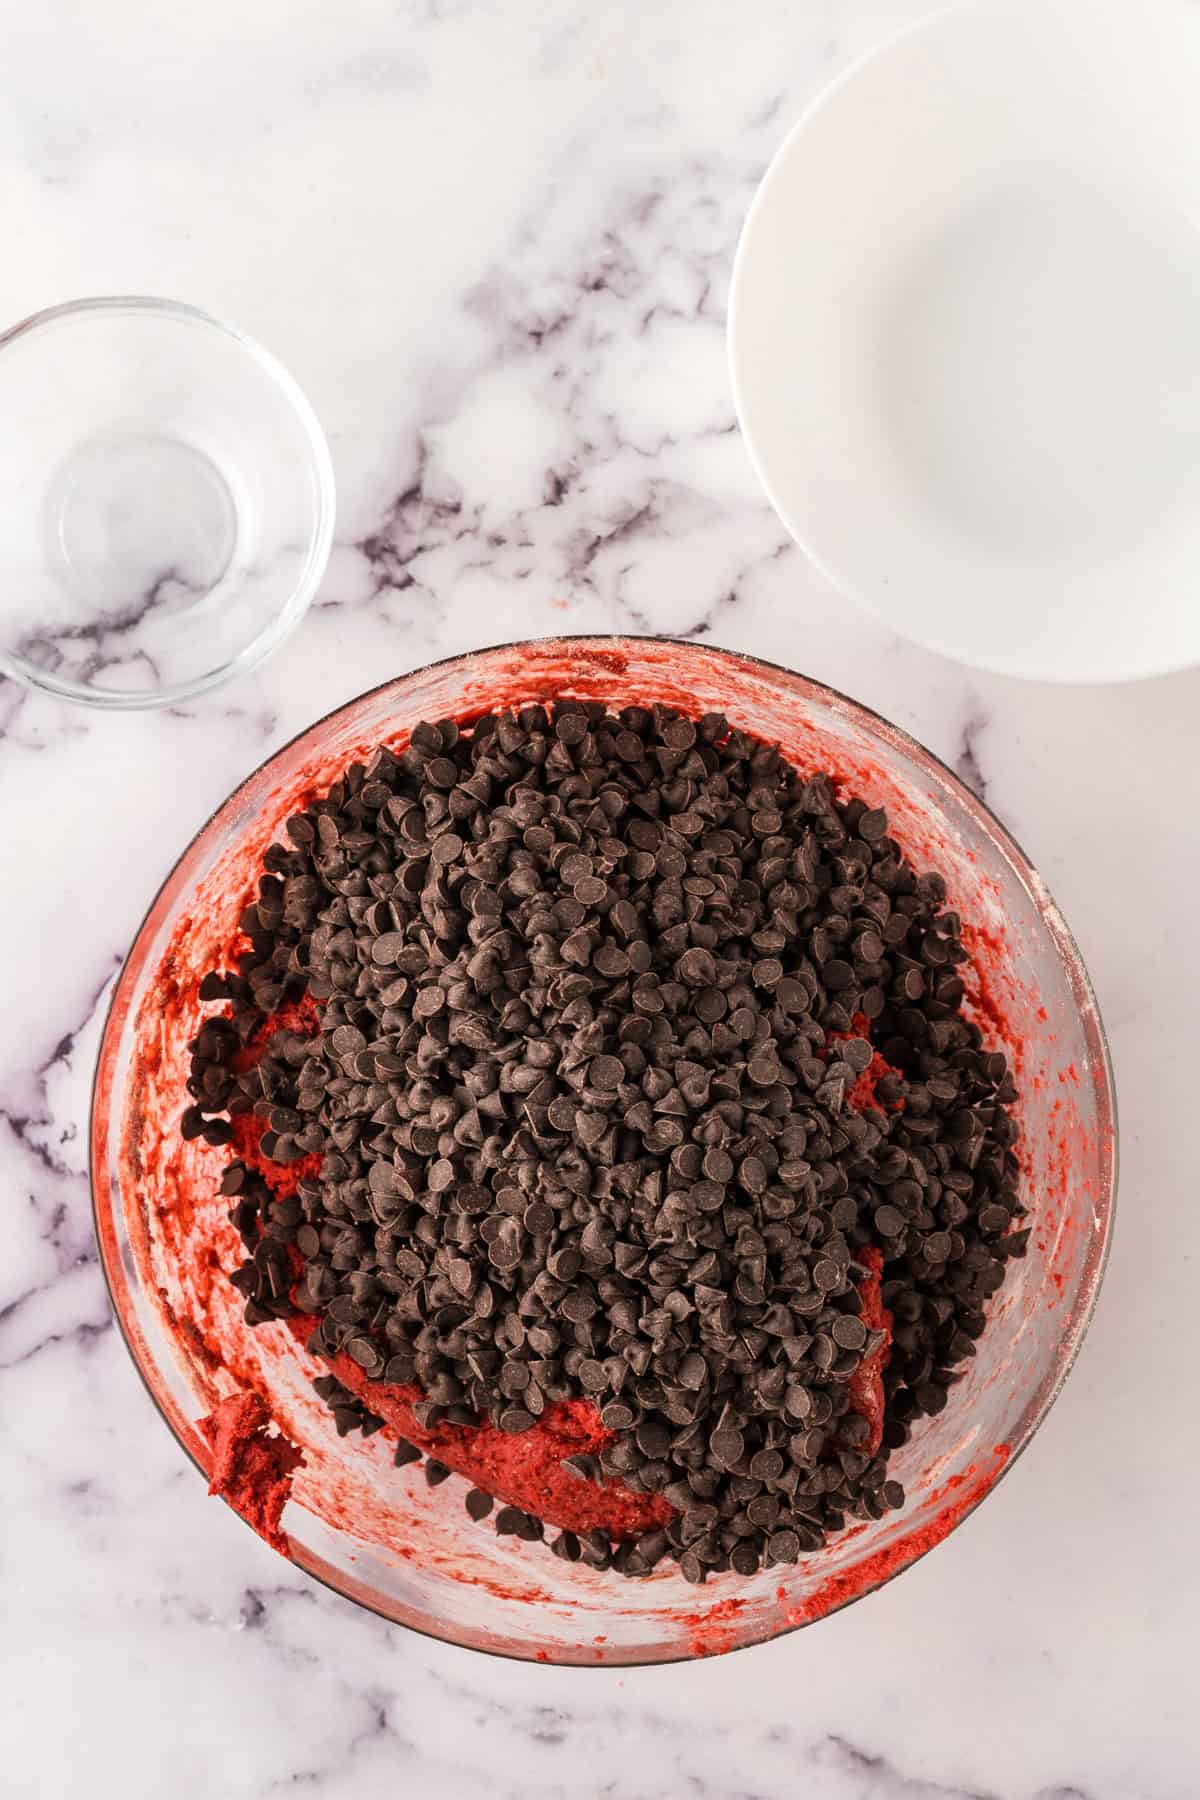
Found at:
[379, 1535]
[168, 502]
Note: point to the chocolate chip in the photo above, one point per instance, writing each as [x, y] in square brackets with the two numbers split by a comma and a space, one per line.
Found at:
[653, 1438]
[387, 948]
[594, 996]
[727, 1445]
[571, 727]
[848, 1332]
[592, 1375]
[606, 1071]
[690, 1567]
[515, 1419]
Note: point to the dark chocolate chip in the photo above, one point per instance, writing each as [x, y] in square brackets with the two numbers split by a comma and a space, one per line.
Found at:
[593, 995]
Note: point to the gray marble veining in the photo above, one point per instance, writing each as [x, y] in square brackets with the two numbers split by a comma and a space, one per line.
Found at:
[493, 242]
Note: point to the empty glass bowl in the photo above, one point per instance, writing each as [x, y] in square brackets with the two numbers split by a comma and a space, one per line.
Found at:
[379, 1534]
[166, 502]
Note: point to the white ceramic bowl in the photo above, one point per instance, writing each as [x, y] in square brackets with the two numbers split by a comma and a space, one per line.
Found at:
[965, 335]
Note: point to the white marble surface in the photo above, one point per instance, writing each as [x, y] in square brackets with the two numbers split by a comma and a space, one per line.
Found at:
[493, 242]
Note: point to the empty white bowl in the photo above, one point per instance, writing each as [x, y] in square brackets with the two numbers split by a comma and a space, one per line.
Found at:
[965, 335]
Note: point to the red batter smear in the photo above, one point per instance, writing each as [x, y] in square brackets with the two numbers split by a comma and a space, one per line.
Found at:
[251, 1469]
[300, 1016]
[866, 1383]
[522, 1469]
[839, 1590]
[862, 1094]
[281, 1178]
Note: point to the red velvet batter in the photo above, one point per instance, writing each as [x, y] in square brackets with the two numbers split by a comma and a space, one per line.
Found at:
[251, 1469]
[866, 1383]
[862, 1094]
[299, 1016]
[521, 1470]
[281, 1178]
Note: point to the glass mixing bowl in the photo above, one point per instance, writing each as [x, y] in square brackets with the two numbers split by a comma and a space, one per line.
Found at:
[168, 502]
[378, 1534]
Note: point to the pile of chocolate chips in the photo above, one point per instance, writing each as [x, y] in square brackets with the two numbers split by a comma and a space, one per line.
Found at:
[593, 992]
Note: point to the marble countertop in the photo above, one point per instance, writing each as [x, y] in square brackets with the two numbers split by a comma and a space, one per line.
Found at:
[493, 242]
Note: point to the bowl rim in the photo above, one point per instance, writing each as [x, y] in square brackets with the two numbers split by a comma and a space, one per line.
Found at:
[1077, 1323]
[309, 579]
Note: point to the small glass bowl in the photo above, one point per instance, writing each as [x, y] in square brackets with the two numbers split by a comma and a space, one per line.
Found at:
[168, 502]
[380, 1535]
